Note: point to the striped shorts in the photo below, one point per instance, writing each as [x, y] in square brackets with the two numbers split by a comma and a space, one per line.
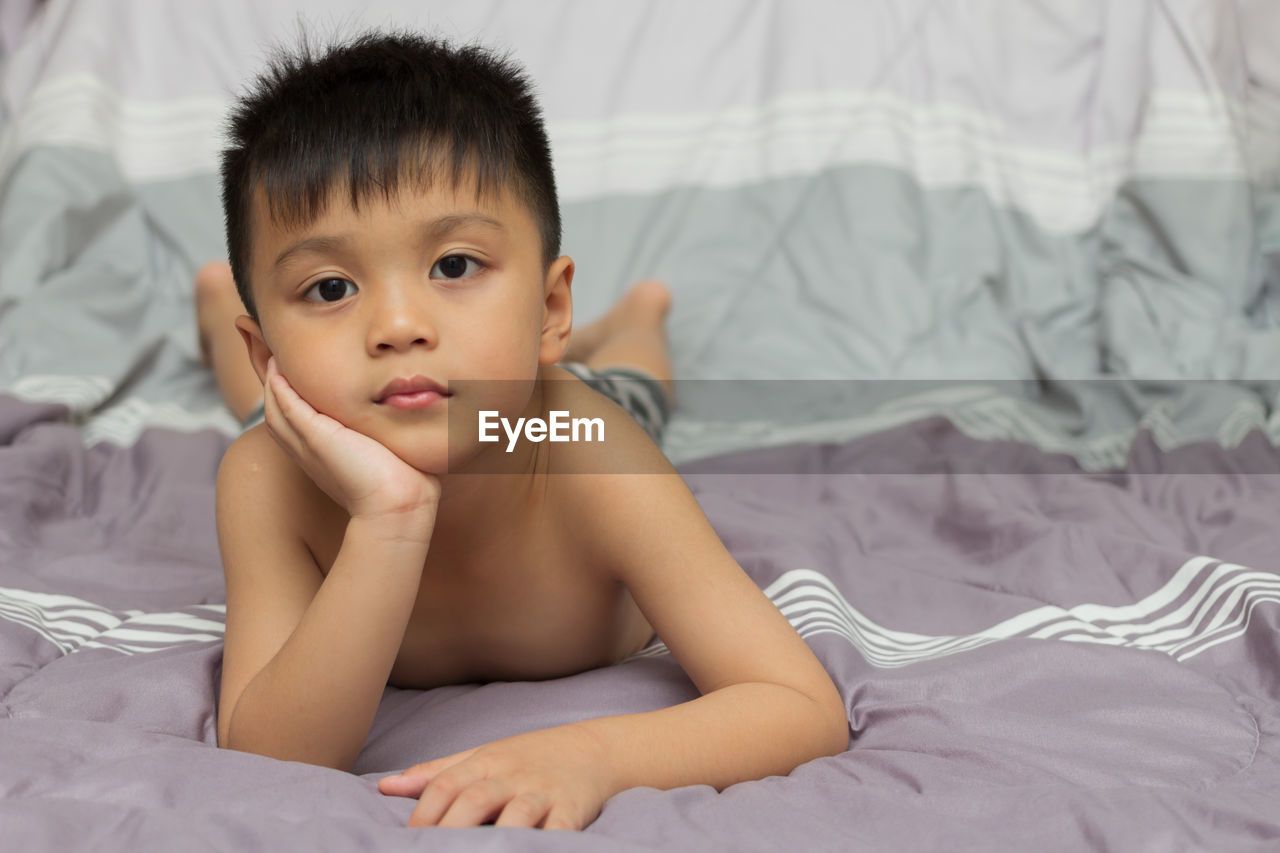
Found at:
[638, 393]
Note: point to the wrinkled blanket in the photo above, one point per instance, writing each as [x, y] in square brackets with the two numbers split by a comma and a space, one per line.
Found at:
[1032, 656]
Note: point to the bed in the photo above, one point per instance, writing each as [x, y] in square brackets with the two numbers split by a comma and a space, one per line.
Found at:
[977, 332]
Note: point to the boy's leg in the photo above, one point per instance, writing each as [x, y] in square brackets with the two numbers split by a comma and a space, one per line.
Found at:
[221, 347]
[632, 334]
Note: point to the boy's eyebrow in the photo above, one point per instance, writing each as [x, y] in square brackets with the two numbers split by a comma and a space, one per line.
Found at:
[312, 244]
[435, 230]
[438, 228]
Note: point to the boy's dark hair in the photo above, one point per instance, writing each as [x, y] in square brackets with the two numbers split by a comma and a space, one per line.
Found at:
[375, 110]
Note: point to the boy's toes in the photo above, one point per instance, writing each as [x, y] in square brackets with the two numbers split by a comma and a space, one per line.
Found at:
[213, 280]
[649, 296]
[215, 290]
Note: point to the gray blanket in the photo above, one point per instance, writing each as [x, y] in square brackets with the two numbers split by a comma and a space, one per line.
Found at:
[1032, 655]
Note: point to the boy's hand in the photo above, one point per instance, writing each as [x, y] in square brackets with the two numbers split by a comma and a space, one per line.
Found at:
[554, 779]
[361, 475]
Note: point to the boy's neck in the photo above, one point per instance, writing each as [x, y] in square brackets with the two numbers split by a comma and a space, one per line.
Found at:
[495, 483]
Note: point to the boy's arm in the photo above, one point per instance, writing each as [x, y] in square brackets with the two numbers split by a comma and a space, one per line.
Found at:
[307, 656]
[767, 704]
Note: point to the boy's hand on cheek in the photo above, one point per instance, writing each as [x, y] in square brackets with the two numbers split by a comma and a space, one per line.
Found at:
[554, 778]
[361, 475]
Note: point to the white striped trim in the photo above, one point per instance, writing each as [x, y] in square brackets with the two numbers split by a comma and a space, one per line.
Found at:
[78, 393]
[150, 139]
[941, 145]
[71, 623]
[1205, 603]
[122, 422]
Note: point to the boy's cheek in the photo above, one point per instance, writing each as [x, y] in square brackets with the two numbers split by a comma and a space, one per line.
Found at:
[318, 394]
[313, 371]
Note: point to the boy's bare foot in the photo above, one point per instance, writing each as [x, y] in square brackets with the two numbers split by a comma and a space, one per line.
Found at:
[216, 300]
[221, 347]
[632, 334]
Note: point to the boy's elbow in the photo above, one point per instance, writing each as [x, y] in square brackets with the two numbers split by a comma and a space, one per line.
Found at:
[331, 760]
[235, 738]
[833, 724]
[224, 725]
[836, 732]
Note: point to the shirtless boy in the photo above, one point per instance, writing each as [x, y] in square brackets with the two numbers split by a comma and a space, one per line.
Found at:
[393, 232]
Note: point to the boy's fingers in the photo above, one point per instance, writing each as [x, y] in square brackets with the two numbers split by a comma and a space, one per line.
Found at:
[271, 409]
[299, 424]
[477, 803]
[432, 805]
[412, 781]
[560, 818]
[525, 810]
[402, 785]
[277, 421]
[271, 402]
[448, 785]
[287, 400]
[429, 770]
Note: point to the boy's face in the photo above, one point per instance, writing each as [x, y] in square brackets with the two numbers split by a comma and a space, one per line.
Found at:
[433, 287]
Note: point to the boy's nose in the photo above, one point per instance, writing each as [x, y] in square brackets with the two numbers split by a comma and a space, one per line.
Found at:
[399, 324]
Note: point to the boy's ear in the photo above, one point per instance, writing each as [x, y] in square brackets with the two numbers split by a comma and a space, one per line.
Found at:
[557, 311]
[259, 352]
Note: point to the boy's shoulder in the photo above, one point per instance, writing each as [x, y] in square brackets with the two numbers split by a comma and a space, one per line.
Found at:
[256, 475]
[254, 455]
[615, 497]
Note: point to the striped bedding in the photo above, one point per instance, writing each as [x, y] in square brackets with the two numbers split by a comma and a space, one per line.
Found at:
[977, 332]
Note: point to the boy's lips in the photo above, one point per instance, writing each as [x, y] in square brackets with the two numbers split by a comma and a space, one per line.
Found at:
[412, 393]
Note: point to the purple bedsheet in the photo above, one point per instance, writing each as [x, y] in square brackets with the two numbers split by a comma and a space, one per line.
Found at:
[1032, 657]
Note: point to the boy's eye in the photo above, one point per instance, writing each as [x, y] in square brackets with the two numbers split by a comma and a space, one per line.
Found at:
[330, 290]
[455, 266]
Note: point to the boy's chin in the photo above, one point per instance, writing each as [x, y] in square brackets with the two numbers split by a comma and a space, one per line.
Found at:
[441, 460]
[429, 457]
[428, 460]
